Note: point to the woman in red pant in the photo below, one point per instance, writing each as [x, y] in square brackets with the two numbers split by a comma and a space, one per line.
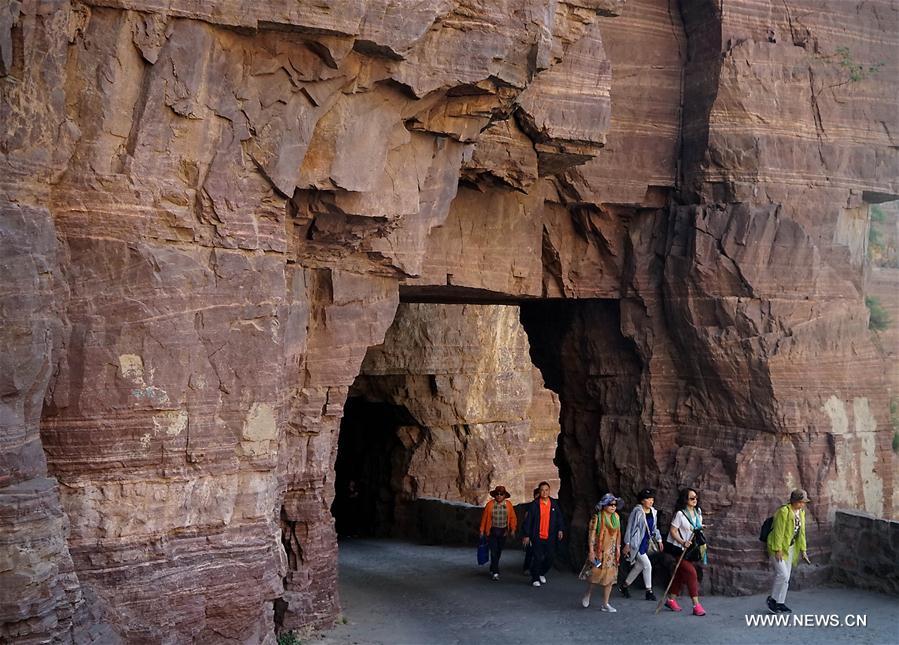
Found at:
[686, 522]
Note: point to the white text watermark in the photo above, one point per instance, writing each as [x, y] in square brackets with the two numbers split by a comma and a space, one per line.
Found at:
[806, 620]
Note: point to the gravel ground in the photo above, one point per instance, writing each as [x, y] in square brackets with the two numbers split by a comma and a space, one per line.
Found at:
[396, 593]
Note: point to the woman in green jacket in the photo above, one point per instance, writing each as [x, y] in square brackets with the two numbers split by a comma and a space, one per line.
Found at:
[785, 542]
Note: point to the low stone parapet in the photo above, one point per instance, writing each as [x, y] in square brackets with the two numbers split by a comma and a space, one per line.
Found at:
[864, 552]
[438, 521]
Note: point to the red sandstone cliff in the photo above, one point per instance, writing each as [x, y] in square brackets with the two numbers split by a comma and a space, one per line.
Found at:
[211, 210]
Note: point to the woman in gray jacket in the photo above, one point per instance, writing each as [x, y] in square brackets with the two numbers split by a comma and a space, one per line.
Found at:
[640, 539]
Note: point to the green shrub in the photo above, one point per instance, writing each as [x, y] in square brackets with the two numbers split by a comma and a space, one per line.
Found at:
[877, 215]
[874, 237]
[855, 71]
[289, 638]
[896, 442]
[878, 319]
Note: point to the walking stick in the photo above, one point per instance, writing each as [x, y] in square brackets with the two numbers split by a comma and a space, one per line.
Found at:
[673, 573]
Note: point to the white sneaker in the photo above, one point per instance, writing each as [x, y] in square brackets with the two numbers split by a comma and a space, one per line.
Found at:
[542, 580]
[536, 583]
[494, 576]
[585, 602]
[609, 608]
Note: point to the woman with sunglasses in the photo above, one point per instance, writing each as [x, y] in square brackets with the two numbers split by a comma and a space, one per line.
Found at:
[604, 550]
[686, 522]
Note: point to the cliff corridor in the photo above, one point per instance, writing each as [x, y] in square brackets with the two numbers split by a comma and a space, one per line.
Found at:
[632, 235]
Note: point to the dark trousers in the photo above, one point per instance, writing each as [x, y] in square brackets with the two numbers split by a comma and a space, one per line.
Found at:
[542, 560]
[496, 541]
[528, 557]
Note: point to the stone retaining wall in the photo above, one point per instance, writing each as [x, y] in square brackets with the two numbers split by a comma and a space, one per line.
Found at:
[864, 552]
[438, 521]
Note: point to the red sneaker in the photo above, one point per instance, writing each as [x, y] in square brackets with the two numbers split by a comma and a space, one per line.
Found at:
[698, 610]
[671, 603]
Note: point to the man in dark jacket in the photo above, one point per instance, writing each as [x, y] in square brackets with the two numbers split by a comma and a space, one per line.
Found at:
[543, 529]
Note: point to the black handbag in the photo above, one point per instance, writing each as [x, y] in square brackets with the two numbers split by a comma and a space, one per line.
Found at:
[698, 537]
[695, 552]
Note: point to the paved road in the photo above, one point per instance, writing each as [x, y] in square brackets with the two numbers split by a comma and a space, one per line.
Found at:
[395, 593]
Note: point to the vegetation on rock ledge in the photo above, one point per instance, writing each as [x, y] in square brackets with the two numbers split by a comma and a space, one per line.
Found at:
[879, 319]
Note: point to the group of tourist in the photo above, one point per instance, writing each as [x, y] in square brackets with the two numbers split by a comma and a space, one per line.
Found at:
[684, 544]
[543, 528]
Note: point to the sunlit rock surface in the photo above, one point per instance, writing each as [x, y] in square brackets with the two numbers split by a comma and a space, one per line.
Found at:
[481, 414]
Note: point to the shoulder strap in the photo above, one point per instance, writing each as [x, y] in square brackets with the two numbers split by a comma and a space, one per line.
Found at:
[681, 511]
[691, 522]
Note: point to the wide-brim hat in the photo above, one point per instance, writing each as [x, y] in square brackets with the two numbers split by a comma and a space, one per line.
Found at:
[799, 495]
[607, 499]
[500, 490]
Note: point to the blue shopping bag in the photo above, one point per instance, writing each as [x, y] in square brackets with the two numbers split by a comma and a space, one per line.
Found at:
[483, 551]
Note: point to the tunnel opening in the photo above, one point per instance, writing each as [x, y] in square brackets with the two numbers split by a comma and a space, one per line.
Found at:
[370, 458]
[448, 407]
[597, 373]
[462, 397]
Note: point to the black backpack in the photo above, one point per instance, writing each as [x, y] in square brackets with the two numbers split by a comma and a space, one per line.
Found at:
[767, 525]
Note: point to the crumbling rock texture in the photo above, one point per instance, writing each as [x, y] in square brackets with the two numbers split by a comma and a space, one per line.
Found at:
[210, 212]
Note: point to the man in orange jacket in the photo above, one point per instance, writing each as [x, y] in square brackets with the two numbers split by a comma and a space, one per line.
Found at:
[498, 521]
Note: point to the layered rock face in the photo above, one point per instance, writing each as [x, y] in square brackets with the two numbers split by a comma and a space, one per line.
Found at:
[210, 212]
[39, 587]
[792, 142]
[236, 192]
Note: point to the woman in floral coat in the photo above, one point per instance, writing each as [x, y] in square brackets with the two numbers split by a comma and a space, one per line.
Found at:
[604, 550]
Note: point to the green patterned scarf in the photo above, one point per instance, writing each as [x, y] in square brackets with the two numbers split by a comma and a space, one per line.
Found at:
[611, 520]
